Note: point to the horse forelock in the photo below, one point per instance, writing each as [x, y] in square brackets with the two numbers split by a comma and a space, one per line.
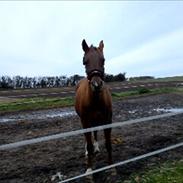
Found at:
[93, 47]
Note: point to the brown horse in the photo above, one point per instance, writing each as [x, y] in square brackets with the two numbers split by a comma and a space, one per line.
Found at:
[93, 101]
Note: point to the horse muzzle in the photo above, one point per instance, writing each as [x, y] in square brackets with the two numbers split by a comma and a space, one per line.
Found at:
[96, 83]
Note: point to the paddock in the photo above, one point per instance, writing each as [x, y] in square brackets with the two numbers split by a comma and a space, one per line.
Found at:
[130, 143]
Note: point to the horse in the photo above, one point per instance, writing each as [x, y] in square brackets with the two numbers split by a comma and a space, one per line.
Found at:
[93, 101]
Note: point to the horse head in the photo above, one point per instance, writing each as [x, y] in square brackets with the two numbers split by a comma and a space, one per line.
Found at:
[94, 64]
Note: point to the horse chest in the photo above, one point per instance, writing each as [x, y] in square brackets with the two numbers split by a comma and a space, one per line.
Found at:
[96, 112]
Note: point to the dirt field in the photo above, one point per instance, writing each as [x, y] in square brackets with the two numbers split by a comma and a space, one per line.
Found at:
[38, 163]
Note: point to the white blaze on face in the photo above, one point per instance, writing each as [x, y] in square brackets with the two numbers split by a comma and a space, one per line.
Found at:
[95, 84]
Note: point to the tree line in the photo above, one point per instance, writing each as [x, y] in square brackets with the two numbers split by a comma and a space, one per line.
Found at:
[7, 82]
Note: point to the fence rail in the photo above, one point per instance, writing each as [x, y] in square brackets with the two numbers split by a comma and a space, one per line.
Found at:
[125, 162]
[82, 131]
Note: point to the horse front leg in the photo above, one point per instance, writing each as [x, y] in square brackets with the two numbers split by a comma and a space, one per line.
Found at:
[107, 133]
[112, 172]
[90, 150]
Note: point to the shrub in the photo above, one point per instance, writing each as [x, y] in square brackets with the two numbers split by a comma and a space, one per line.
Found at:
[143, 90]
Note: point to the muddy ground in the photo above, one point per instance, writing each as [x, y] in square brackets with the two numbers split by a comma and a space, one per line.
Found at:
[39, 162]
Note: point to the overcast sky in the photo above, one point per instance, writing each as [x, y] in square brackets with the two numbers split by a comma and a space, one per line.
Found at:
[44, 38]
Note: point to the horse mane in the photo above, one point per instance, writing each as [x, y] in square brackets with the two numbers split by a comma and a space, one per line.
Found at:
[93, 47]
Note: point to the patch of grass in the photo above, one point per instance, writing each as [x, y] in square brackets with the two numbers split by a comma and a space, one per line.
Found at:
[165, 79]
[174, 78]
[169, 172]
[35, 104]
[144, 91]
[46, 103]
[123, 94]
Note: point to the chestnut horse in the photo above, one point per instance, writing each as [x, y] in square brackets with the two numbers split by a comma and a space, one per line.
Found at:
[93, 101]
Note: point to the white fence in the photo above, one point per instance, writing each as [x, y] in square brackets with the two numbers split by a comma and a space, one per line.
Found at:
[125, 162]
[82, 131]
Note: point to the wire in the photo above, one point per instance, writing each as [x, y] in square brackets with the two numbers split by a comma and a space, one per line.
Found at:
[82, 131]
[125, 161]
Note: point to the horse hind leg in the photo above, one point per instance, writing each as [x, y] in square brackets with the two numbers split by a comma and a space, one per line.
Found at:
[86, 151]
[111, 172]
[96, 144]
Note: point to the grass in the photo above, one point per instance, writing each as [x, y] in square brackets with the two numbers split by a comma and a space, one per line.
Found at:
[165, 79]
[169, 172]
[175, 78]
[45, 103]
[145, 91]
[35, 104]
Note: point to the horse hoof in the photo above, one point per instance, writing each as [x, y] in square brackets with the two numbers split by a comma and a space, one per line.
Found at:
[111, 175]
[89, 178]
[113, 172]
[88, 170]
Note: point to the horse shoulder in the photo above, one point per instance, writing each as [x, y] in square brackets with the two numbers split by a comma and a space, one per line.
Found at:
[82, 86]
[82, 93]
[107, 96]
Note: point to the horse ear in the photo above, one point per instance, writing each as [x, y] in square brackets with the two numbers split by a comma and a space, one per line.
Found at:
[85, 46]
[101, 46]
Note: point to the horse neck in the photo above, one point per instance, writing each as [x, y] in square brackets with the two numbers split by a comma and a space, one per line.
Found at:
[95, 97]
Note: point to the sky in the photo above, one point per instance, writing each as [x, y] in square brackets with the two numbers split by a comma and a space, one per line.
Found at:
[43, 38]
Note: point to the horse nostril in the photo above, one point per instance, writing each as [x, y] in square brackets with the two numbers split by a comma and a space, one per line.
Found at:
[95, 84]
[101, 83]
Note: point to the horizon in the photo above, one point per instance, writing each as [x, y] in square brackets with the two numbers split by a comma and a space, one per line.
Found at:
[86, 76]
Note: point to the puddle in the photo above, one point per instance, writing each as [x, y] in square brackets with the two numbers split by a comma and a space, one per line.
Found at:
[56, 113]
[149, 111]
[132, 111]
[174, 110]
[66, 112]
[61, 115]
[5, 120]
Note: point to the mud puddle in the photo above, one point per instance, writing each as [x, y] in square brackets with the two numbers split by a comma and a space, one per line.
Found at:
[174, 110]
[39, 115]
[67, 112]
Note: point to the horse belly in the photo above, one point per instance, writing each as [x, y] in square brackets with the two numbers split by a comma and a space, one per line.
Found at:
[98, 118]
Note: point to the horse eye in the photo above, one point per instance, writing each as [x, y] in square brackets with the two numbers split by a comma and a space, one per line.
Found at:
[84, 61]
[103, 60]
